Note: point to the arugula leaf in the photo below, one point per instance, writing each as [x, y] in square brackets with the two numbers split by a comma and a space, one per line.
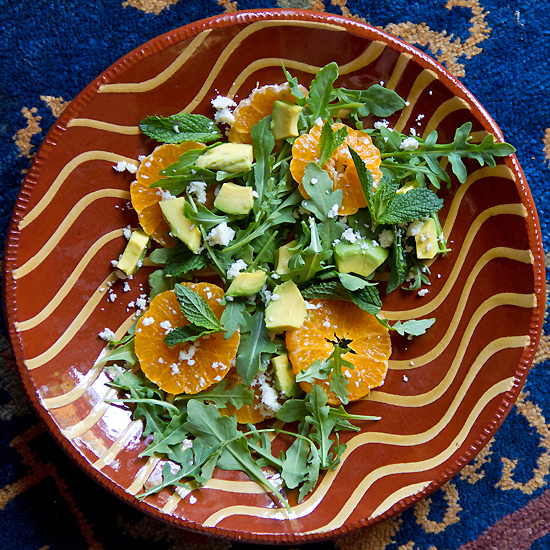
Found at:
[206, 424]
[295, 465]
[180, 127]
[376, 99]
[320, 92]
[412, 327]
[353, 282]
[318, 185]
[158, 283]
[366, 180]
[263, 143]
[295, 89]
[125, 352]
[196, 309]
[398, 262]
[220, 396]
[233, 316]
[254, 342]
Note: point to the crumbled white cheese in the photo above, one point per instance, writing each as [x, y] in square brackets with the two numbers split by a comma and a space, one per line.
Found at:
[165, 195]
[379, 123]
[235, 269]
[198, 188]
[146, 321]
[107, 334]
[123, 165]
[386, 238]
[333, 212]
[127, 231]
[221, 234]
[423, 292]
[223, 107]
[415, 228]
[188, 355]
[409, 144]
[126, 287]
[350, 235]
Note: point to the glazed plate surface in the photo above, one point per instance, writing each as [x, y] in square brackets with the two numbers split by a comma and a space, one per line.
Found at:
[446, 392]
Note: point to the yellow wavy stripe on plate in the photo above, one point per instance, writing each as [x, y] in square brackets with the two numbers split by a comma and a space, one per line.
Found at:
[69, 283]
[372, 53]
[88, 422]
[62, 176]
[71, 218]
[133, 429]
[444, 110]
[523, 256]
[423, 399]
[73, 328]
[163, 76]
[105, 126]
[499, 171]
[143, 475]
[90, 377]
[235, 43]
[514, 209]
[400, 66]
[394, 498]
[423, 80]
[416, 467]
[527, 301]
[302, 510]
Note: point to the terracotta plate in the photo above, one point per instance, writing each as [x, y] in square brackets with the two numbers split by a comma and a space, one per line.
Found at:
[446, 393]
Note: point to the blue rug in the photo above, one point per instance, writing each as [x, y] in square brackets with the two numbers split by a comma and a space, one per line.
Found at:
[51, 51]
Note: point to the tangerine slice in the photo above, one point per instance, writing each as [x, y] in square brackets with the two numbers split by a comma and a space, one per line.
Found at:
[340, 166]
[188, 367]
[264, 390]
[333, 320]
[256, 106]
[145, 199]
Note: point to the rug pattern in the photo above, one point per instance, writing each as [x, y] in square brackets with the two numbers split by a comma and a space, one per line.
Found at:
[499, 501]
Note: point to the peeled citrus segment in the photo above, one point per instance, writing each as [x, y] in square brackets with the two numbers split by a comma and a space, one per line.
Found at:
[189, 367]
[340, 166]
[266, 399]
[256, 106]
[145, 199]
[334, 320]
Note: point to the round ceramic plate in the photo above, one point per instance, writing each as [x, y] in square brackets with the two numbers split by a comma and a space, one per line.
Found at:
[446, 393]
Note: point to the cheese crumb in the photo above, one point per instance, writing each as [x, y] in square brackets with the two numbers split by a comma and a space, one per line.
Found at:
[223, 107]
[198, 188]
[107, 334]
[423, 292]
[386, 238]
[409, 144]
[221, 234]
[235, 269]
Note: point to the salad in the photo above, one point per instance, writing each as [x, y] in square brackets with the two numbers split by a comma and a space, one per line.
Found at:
[269, 226]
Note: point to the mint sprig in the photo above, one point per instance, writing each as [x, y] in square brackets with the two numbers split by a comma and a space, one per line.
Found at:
[180, 127]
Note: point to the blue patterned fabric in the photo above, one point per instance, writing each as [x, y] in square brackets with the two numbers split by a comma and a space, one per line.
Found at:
[51, 50]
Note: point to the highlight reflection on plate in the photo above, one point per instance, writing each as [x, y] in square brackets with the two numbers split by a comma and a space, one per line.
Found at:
[446, 393]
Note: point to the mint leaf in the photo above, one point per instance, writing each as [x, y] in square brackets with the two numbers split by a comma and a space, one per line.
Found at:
[329, 141]
[180, 127]
[180, 260]
[196, 309]
[188, 333]
[413, 205]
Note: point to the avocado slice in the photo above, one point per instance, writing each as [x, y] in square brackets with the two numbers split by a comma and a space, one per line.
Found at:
[182, 228]
[134, 252]
[282, 255]
[360, 257]
[285, 379]
[285, 117]
[230, 157]
[247, 284]
[235, 199]
[426, 241]
[288, 311]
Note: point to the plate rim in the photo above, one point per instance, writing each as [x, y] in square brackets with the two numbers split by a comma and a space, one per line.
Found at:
[179, 35]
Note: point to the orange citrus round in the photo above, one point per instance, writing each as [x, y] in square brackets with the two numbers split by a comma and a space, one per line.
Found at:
[334, 320]
[340, 166]
[189, 367]
[145, 199]
[256, 106]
